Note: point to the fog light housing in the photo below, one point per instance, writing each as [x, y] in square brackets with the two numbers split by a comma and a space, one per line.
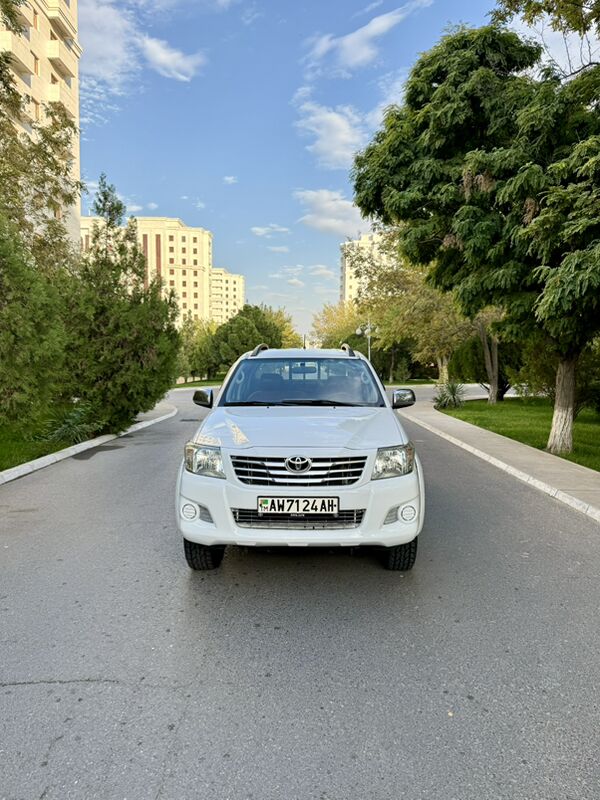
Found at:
[391, 516]
[189, 511]
[408, 513]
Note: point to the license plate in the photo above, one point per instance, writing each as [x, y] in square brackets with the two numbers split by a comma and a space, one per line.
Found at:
[299, 506]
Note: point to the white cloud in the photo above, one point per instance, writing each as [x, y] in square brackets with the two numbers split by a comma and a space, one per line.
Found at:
[296, 283]
[115, 49]
[371, 7]
[230, 180]
[184, 197]
[268, 230]
[152, 206]
[170, 62]
[285, 272]
[199, 205]
[321, 271]
[359, 48]
[132, 208]
[251, 14]
[330, 212]
[280, 249]
[338, 132]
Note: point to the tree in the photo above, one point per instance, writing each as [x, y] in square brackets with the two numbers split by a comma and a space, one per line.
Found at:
[250, 327]
[32, 337]
[397, 295]
[289, 335]
[201, 355]
[577, 16]
[337, 323]
[123, 340]
[491, 174]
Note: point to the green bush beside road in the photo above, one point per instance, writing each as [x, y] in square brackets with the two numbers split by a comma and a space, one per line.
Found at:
[528, 421]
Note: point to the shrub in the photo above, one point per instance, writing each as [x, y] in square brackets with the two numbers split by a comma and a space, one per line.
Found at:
[449, 395]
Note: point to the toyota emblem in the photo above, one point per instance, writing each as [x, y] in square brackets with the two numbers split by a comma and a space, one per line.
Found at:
[298, 464]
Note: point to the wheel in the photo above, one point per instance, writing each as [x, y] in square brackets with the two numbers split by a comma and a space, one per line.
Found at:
[401, 557]
[202, 556]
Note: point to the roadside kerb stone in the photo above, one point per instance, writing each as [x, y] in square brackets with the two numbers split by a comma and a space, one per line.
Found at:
[52, 458]
[564, 497]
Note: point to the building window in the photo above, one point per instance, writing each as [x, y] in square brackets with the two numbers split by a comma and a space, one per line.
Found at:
[185, 305]
[183, 249]
[195, 271]
[195, 264]
[171, 238]
[195, 284]
[171, 261]
[36, 110]
[183, 283]
[36, 65]
[171, 249]
[196, 305]
[171, 283]
[195, 251]
[171, 272]
[183, 294]
[195, 294]
[183, 260]
[183, 238]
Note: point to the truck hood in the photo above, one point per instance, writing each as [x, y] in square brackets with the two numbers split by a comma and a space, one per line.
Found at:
[301, 427]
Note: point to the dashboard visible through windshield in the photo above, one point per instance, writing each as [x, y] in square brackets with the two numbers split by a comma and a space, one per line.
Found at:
[302, 382]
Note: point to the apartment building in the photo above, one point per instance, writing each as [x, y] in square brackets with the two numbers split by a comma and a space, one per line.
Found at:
[182, 257]
[45, 63]
[367, 246]
[227, 294]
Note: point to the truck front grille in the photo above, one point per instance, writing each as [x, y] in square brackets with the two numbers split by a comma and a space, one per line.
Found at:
[271, 471]
[249, 518]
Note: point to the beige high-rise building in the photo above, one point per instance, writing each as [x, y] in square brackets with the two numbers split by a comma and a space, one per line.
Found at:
[227, 294]
[182, 257]
[45, 63]
[368, 244]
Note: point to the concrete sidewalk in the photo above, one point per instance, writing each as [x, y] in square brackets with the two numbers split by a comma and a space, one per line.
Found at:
[578, 487]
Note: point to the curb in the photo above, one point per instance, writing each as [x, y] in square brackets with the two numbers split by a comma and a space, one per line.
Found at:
[52, 458]
[542, 486]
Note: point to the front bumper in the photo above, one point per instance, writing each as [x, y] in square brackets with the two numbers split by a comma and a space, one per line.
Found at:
[375, 497]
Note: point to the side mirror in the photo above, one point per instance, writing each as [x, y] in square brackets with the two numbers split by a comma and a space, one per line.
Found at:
[203, 397]
[401, 398]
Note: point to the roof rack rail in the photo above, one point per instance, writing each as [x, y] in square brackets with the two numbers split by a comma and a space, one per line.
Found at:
[349, 350]
[258, 349]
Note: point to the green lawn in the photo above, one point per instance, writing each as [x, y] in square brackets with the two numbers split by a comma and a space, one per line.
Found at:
[215, 382]
[18, 445]
[529, 421]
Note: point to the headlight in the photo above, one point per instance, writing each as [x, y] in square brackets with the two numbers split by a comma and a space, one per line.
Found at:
[394, 461]
[203, 460]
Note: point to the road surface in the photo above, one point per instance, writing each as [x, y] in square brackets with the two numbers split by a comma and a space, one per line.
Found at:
[295, 675]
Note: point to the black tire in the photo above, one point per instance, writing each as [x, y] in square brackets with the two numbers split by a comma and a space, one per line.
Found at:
[202, 556]
[401, 557]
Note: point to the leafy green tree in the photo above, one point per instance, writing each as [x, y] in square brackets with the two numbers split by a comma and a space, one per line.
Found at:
[123, 340]
[32, 337]
[289, 335]
[578, 16]
[250, 327]
[492, 175]
[202, 360]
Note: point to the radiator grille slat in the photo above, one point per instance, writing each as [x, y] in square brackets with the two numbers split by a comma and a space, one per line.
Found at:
[249, 518]
[271, 471]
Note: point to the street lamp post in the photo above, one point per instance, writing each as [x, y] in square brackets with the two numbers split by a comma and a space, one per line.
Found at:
[366, 330]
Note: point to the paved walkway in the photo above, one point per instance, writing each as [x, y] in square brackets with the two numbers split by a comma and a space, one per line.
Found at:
[570, 483]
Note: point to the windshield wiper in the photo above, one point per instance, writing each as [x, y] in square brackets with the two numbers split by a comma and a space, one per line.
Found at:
[253, 403]
[318, 403]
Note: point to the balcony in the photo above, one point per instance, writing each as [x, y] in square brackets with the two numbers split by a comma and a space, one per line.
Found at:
[22, 58]
[62, 58]
[60, 15]
[60, 93]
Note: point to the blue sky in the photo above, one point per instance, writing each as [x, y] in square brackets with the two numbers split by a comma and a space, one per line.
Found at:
[242, 117]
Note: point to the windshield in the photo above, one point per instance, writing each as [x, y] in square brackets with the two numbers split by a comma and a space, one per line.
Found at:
[296, 382]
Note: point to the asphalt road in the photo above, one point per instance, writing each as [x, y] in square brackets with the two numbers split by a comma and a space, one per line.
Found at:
[296, 675]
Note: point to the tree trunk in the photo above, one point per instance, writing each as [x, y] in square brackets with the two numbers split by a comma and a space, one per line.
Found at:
[561, 434]
[442, 364]
[392, 366]
[490, 357]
